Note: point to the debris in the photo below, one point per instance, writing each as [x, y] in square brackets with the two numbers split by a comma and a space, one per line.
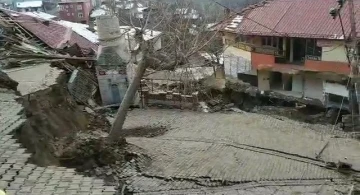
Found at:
[204, 107]
[351, 122]
[7, 83]
[237, 110]
[89, 110]
[228, 106]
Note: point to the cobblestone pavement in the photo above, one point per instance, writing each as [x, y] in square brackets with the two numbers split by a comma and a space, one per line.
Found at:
[252, 129]
[19, 177]
[317, 187]
[207, 149]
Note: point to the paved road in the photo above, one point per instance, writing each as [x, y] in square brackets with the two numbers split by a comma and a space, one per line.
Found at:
[19, 177]
[209, 149]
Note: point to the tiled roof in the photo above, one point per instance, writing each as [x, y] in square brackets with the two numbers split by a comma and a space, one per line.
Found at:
[54, 34]
[295, 18]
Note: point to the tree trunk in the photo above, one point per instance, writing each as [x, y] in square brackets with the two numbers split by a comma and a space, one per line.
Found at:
[127, 101]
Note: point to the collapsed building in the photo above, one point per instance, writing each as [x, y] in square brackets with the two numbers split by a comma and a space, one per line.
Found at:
[35, 108]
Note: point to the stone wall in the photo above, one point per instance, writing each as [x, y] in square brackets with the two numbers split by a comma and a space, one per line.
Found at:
[169, 99]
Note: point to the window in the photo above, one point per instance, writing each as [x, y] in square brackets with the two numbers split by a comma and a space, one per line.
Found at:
[80, 15]
[71, 6]
[79, 7]
[72, 14]
[270, 41]
[66, 6]
[311, 48]
[68, 14]
[243, 39]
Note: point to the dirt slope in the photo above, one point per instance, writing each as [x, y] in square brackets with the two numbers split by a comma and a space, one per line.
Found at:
[51, 114]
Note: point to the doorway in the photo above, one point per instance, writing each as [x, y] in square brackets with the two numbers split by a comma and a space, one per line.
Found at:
[299, 50]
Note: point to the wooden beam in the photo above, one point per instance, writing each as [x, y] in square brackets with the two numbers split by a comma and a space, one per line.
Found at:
[29, 56]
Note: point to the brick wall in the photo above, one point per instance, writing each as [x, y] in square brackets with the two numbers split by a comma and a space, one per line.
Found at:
[169, 99]
[258, 58]
[326, 66]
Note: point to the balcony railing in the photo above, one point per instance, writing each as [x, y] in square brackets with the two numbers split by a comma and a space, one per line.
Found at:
[258, 49]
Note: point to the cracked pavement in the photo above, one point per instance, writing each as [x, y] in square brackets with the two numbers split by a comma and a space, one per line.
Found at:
[236, 148]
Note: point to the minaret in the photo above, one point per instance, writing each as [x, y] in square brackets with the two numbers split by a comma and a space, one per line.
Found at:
[110, 66]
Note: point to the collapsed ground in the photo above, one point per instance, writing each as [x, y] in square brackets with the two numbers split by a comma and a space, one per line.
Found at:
[61, 132]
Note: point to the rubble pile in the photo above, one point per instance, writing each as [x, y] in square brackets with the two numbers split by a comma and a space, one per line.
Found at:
[350, 123]
[7, 83]
[93, 154]
[19, 51]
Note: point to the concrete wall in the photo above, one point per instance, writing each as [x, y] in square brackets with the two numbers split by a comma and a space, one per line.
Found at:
[297, 83]
[313, 88]
[334, 51]
[111, 77]
[263, 80]
[336, 89]
[237, 61]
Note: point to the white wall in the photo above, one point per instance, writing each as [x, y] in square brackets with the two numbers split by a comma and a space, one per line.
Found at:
[114, 77]
[264, 80]
[237, 61]
[336, 89]
[313, 88]
[297, 83]
[336, 52]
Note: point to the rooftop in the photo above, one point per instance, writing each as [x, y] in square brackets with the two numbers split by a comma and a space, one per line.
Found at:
[81, 29]
[42, 15]
[27, 4]
[53, 33]
[98, 12]
[294, 18]
[148, 34]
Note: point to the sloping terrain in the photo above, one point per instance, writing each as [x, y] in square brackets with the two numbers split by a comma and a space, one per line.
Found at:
[51, 114]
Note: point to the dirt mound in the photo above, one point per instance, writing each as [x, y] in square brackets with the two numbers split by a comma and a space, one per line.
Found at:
[85, 152]
[95, 155]
[51, 114]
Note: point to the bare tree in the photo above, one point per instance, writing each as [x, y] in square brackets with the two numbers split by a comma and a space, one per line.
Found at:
[185, 32]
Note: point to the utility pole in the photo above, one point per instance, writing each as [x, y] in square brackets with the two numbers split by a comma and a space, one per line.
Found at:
[351, 47]
[353, 39]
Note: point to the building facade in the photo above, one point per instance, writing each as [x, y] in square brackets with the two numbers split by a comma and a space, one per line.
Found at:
[29, 6]
[292, 47]
[75, 11]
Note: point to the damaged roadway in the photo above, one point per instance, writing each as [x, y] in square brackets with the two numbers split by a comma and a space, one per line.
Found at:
[221, 149]
[183, 152]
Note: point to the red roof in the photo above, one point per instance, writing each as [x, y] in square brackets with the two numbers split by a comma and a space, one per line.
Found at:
[297, 18]
[51, 33]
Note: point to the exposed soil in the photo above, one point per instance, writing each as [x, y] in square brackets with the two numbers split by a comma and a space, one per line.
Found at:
[60, 132]
[144, 131]
[51, 114]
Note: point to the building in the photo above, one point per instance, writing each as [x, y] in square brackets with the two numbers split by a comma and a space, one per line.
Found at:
[292, 47]
[29, 6]
[115, 64]
[75, 11]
